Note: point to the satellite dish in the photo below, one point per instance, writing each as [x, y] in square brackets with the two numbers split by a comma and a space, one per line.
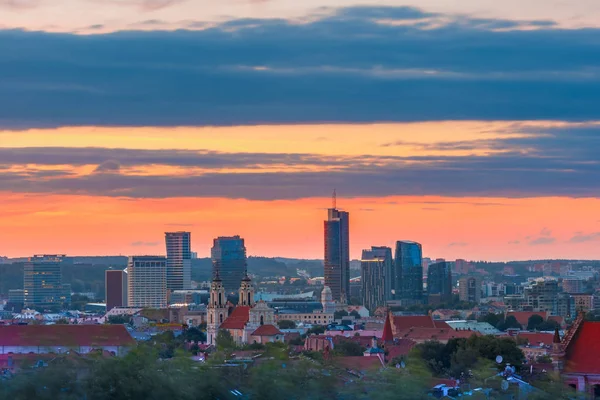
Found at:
[499, 359]
[504, 385]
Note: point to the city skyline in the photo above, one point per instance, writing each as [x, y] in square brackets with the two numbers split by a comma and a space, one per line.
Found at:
[235, 136]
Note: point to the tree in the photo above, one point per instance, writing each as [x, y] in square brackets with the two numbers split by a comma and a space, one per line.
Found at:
[225, 341]
[349, 348]
[340, 314]
[62, 321]
[509, 322]
[493, 319]
[549, 325]
[317, 330]
[534, 321]
[355, 314]
[286, 324]
[194, 335]
[119, 319]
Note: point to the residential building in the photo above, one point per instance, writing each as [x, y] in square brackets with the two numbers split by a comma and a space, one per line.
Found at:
[337, 254]
[573, 285]
[229, 261]
[116, 288]
[147, 282]
[16, 300]
[482, 327]
[44, 339]
[313, 318]
[408, 270]
[42, 282]
[583, 302]
[439, 281]
[541, 295]
[376, 277]
[189, 297]
[469, 289]
[179, 260]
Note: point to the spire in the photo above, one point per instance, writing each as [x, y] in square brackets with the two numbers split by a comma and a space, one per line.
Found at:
[387, 336]
[334, 199]
[556, 338]
[217, 276]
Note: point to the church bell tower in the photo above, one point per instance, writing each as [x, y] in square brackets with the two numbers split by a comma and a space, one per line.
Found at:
[217, 309]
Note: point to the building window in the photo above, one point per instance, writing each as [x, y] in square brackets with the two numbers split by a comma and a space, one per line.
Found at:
[262, 320]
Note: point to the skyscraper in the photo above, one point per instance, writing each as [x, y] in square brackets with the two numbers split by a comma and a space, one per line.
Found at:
[337, 253]
[376, 275]
[116, 288]
[42, 282]
[179, 260]
[147, 282]
[469, 289]
[439, 282]
[408, 268]
[229, 261]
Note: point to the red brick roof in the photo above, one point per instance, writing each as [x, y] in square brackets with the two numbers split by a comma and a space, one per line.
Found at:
[238, 318]
[558, 319]
[65, 335]
[400, 348]
[583, 353]
[359, 363]
[414, 321]
[387, 336]
[423, 334]
[267, 330]
[523, 316]
[536, 338]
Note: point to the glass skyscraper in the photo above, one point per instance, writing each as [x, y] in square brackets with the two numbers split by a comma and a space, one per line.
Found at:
[408, 268]
[42, 282]
[179, 260]
[229, 261]
[376, 275]
[337, 254]
[439, 281]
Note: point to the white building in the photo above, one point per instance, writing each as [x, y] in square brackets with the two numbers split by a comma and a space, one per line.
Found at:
[147, 282]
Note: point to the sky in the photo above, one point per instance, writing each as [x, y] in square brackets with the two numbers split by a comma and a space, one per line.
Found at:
[469, 126]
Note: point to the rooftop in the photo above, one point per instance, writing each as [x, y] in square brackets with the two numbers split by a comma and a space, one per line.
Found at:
[65, 335]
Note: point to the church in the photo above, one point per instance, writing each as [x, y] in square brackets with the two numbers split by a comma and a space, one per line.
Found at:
[248, 322]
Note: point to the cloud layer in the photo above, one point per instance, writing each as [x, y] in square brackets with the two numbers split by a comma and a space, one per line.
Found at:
[360, 64]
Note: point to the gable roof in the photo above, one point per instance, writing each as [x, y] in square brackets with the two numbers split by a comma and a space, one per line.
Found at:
[65, 335]
[267, 330]
[536, 338]
[238, 318]
[522, 317]
[416, 321]
[583, 352]
[424, 334]
[387, 335]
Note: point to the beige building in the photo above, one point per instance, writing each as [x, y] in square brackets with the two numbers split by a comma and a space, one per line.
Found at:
[147, 282]
[314, 318]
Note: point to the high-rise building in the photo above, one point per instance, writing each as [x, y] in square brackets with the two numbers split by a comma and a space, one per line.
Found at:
[541, 295]
[147, 282]
[42, 282]
[408, 270]
[229, 261]
[116, 288]
[469, 289]
[439, 281]
[376, 275]
[179, 260]
[337, 254]
[573, 285]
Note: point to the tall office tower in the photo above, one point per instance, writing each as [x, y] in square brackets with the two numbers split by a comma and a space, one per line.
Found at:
[116, 288]
[376, 275]
[147, 282]
[408, 268]
[42, 282]
[179, 260]
[469, 289]
[229, 261]
[439, 281]
[337, 253]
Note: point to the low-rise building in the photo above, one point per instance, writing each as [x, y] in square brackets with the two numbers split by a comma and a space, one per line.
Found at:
[314, 318]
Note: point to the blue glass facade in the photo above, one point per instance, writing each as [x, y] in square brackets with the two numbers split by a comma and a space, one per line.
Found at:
[409, 271]
[229, 261]
[337, 254]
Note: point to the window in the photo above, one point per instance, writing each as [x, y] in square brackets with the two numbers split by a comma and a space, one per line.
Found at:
[262, 320]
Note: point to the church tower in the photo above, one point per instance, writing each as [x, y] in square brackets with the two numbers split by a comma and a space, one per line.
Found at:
[246, 292]
[217, 309]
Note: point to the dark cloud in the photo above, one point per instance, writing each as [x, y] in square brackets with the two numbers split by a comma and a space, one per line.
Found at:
[346, 66]
[542, 241]
[110, 166]
[580, 237]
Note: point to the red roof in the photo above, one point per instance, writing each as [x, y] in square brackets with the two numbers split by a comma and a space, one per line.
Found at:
[558, 319]
[417, 321]
[359, 363]
[536, 339]
[523, 316]
[65, 335]
[424, 334]
[238, 318]
[387, 336]
[400, 348]
[583, 353]
[267, 330]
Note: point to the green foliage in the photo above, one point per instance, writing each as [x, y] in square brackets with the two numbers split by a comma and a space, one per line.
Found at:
[119, 319]
[286, 324]
[194, 334]
[348, 348]
[509, 322]
[355, 314]
[340, 314]
[62, 321]
[79, 302]
[316, 330]
[493, 319]
[549, 325]
[224, 341]
[534, 321]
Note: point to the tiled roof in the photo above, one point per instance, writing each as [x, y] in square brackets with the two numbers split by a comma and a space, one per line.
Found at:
[434, 334]
[405, 322]
[400, 348]
[387, 336]
[238, 318]
[523, 316]
[359, 363]
[583, 353]
[267, 330]
[536, 338]
[65, 335]
[560, 320]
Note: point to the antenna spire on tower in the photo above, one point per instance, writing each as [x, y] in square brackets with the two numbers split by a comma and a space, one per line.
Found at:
[334, 199]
